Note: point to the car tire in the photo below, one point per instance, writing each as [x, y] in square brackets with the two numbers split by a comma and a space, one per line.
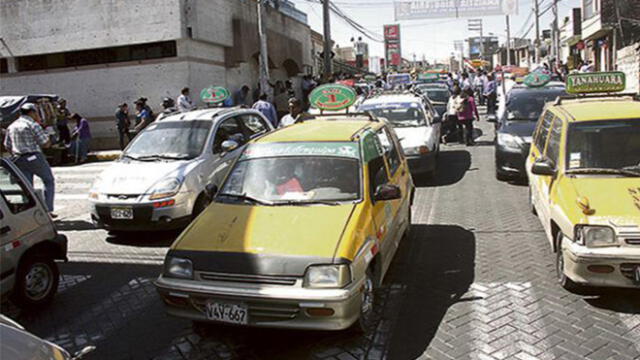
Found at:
[563, 279]
[37, 281]
[201, 203]
[367, 319]
[501, 176]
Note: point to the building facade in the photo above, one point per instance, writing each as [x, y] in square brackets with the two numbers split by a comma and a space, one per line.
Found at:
[100, 53]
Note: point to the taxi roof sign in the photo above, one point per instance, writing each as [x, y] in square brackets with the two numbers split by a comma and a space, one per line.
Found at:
[536, 79]
[214, 94]
[597, 82]
[332, 97]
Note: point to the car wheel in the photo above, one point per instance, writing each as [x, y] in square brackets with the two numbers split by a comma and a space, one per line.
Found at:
[501, 176]
[36, 282]
[201, 203]
[563, 280]
[366, 320]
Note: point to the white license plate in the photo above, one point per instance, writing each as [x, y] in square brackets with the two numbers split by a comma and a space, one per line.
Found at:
[228, 313]
[122, 213]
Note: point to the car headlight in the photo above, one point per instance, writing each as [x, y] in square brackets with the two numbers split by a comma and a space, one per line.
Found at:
[165, 188]
[595, 236]
[510, 141]
[327, 276]
[416, 150]
[178, 267]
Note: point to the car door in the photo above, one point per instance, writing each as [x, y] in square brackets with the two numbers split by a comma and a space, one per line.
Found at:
[23, 221]
[537, 184]
[546, 183]
[229, 128]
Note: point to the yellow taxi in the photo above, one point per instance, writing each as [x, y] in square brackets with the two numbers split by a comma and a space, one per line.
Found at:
[301, 232]
[584, 182]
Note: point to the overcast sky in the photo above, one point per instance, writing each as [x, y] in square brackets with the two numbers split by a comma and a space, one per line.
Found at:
[432, 38]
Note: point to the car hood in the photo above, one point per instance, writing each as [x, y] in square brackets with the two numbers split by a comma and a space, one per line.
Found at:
[618, 204]
[413, 136]
[523, 129]
[137, 177]
[233, 238]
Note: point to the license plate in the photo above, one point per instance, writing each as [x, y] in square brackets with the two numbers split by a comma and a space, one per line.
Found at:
[228, 313]
[122, 213]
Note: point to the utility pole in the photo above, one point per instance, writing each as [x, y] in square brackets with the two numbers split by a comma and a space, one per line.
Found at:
[327, 39]
[556, 35]
[536, 8]
[264, 56]
[476, 25]
[508, 41]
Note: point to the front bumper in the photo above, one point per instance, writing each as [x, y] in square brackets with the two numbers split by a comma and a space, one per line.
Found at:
[623, 260]
[511, 162]
[420, 164]
[277, 306]
[145, 216]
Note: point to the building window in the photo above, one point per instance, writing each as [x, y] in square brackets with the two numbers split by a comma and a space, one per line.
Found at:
[97, 56]
[589, 7]
[4, 66]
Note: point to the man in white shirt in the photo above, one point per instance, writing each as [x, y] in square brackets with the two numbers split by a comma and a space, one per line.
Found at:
[184, 102]
[295, 115]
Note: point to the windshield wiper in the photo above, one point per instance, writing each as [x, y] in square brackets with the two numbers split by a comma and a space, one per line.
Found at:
[247, 198]
[311, 202]
[130, 157]
[607, 171]
[163, 156]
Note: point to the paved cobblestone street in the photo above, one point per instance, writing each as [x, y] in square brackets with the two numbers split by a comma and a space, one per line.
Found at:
[475, 280]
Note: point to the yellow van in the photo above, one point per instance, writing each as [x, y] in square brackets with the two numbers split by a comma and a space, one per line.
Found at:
[584, 182]
[300, 233]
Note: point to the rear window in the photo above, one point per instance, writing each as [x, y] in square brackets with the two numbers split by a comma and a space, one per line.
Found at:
[528, 104]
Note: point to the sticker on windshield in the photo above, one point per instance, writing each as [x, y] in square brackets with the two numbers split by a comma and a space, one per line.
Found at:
[574, 160]
[339, 149]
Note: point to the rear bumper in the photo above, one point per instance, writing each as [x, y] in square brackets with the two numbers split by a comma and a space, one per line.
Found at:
[268, 305]
[420, 164]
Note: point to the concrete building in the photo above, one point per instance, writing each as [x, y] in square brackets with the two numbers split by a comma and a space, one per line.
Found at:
[571, 44]
[99, 53]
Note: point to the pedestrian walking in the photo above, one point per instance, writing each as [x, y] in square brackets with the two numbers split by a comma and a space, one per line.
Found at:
[478, 86]
[81, 138]
[267, 109]
[143, 115]
[62, 122]
[296, 113]
[465, 83]
[490, 93]
[123, 123]
[25, 140]
[241, 96]
[466, 109]
[168, 108]
[184, 102]
[450, 124]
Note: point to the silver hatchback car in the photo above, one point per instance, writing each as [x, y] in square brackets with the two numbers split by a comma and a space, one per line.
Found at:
[161, 179]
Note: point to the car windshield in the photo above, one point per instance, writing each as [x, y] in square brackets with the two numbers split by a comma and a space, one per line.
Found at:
[528, 105]
[610, 144]
[293, 180]
[170, 140]
[437, 95]
[398, 114]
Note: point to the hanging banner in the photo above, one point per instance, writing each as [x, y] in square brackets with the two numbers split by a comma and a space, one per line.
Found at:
[430, 9]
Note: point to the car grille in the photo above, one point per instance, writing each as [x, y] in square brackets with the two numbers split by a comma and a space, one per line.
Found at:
[259, 310]
[633, 241]
[627, 269]
[122, 196]
[251, 279]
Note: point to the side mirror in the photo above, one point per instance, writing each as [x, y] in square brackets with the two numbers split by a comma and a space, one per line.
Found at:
[437, 119]
[82, 353]
[211, 190]
[543, 167]
[387, 192]
[228, 146]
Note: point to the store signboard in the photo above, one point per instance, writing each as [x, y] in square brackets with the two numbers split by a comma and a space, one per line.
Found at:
[393, 53]
[430, 9]
[596, 82]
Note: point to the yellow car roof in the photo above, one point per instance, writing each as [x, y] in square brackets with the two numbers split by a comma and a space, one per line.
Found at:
[319, 130]
[600, 108]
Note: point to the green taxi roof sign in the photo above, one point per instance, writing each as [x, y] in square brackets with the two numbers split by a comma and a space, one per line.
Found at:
[597, 82]
[214, 94]
[332, 97]
[536, 79]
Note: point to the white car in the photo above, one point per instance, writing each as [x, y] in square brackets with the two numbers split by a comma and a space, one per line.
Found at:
[417, 126]
[162, 178]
